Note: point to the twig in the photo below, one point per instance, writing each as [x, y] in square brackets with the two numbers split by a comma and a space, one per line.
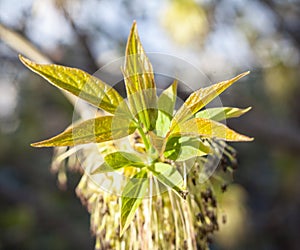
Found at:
[23, 46]
[82, 38]
[292, 32]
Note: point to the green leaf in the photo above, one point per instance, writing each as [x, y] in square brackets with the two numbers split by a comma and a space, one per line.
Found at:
[162, 123]
[156, 141]
[207, 128]
[169, 176]
[139, 81]
[200, 98]
[187, 152]
[79, 83]
[166, 105]
[222, 113]
[132, 197]
[96, 130]
[184, 148]
[167, 99]
[119, 160]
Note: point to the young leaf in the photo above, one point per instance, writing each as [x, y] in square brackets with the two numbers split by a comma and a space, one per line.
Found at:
[79, 83]
[162, 123]
[207, 128]
[169, 176]
[167, 99]
[187, 152]
[200, 98]
[132, 197]
[119, 160]
[184, 148]
[222, 113]
[96, 130]
[166, 105]
[156, 141]
[139, 81]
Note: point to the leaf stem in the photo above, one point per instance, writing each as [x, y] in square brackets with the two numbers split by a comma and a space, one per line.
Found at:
[144, 137]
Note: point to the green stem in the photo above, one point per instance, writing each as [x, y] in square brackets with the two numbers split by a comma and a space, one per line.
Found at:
[144, 138]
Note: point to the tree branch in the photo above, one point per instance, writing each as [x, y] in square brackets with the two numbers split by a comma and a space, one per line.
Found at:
[21, 45]
[293, 31]
[82, 38]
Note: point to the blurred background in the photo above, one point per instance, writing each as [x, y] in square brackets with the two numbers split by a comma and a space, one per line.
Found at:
[219, 37]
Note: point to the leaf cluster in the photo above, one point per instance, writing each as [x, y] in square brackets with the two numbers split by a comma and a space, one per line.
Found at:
[169, 136]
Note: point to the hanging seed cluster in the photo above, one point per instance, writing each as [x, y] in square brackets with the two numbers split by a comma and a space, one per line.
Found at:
[163, 221]
[161, 190]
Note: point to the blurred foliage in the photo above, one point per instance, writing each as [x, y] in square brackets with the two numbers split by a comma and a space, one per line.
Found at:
[186, 21]
[260, 35]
